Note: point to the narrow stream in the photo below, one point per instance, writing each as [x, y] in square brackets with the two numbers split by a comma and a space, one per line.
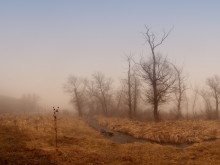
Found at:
[122, 138]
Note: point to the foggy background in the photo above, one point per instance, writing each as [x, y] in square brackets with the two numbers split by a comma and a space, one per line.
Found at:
[43, 42]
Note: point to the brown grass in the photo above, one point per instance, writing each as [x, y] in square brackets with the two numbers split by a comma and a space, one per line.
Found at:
[167, 131]
[30, 140]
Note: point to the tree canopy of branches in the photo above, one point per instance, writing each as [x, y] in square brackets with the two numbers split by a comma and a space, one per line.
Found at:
[157, 73]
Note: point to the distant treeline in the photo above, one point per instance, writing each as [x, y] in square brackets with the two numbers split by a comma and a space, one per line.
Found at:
[28, 103]
[151, 83]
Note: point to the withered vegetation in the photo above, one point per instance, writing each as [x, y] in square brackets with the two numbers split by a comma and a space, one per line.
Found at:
[175, 132]
[30, 140]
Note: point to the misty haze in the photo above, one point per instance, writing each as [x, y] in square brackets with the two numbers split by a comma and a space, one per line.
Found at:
[109, 82]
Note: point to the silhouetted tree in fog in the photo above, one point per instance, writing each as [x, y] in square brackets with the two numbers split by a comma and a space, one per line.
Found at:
[100, 88]
[195, 100]
[208, 106]
[119, 96]
[75, 86]
[179, 89]
[157, 73]
[214, 85]
[132, 90]
[136, 91]
[129, 97]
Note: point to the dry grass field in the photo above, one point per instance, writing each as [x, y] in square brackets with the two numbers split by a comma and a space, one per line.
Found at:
[177, 132]
[30, 140]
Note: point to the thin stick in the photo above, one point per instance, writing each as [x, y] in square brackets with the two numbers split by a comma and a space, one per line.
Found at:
[55, 111]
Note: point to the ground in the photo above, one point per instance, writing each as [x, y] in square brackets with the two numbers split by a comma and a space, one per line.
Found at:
[29, 139]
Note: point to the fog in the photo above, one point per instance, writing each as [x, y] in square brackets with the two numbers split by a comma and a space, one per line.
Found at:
[42, 44]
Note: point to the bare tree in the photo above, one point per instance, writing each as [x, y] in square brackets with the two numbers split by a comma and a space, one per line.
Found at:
[135, 91]
[101, 90]
[195, 99]
[214, 85]
[208, 106]
[129, 84]
[157, 73]
[119, 96]
[187, 107]
[75, 87]
[132, 85]
[179, 89]
[92, 101]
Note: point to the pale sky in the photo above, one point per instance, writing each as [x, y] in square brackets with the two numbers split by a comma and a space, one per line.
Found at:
[42, 42]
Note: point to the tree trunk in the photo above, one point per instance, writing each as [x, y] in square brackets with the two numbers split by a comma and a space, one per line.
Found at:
[78, 103]
[179, 114]
[129, 90]
[135, 95]
[119, 100]
[156, 114]
[105, 106]
[217, 113]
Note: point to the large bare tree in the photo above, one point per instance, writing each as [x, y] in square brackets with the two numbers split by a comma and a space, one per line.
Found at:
[75, 86]
[157, 73]
[214, 85]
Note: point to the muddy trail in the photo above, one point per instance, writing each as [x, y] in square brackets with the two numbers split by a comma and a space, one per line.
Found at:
[122, 138]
